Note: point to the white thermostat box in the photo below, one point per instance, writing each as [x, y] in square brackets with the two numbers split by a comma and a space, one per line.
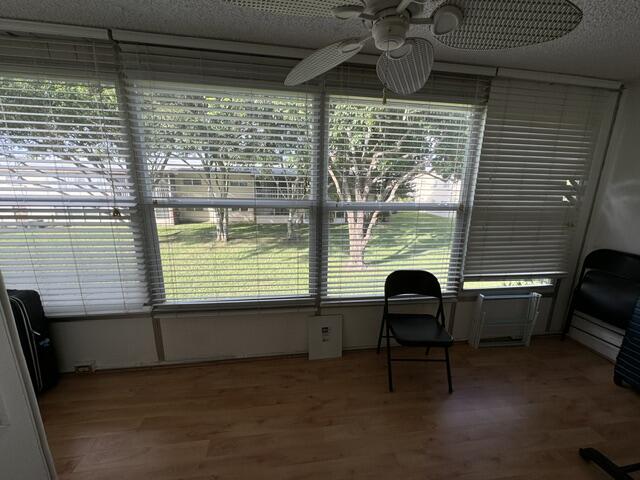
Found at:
[324, 333]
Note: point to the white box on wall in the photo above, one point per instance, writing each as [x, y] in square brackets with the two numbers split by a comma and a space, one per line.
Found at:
[324, 333]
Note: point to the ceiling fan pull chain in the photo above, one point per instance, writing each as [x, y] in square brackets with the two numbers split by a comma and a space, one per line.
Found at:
[384, 83]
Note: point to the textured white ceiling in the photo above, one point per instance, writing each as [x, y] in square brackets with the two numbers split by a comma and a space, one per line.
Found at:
[606, 44]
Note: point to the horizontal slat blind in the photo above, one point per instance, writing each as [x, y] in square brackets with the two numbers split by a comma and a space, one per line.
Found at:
[58, 57]
[144, 62]
[536, 157]
[398, 179]
[266, 255]
[64, 167]
[421, 239]
[201, 142]
[80, 258]
[230, 174]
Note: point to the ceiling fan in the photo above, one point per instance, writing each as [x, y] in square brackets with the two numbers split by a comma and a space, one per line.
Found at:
[406, 60]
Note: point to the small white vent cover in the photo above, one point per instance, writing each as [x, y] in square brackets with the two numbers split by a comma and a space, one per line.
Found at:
[302, 8]
[407, 74]
[497, 24]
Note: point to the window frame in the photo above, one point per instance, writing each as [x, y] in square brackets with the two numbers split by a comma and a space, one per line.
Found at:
[319, 209]
[462, 208]
[130, 202]
[149, 205]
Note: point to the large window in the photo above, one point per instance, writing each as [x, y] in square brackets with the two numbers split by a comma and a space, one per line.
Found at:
[229, 174]
[69, 223]
[398, 175]
[244, 163]
[537, 155]
[150, 176]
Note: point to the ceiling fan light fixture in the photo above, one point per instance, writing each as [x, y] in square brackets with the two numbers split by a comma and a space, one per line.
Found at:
[389, 33]
[446, 19]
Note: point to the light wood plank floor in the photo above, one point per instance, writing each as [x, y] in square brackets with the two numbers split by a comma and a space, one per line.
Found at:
[516, 413]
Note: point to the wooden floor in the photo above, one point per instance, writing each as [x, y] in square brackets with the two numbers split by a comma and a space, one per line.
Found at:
[516, 413]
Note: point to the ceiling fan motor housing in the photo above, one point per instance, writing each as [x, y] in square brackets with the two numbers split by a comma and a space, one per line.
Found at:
[389, 33]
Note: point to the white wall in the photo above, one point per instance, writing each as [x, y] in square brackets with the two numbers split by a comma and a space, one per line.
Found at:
[24, 454]
[615, 222]
[616, 219]
[109, 343]
[198, 336]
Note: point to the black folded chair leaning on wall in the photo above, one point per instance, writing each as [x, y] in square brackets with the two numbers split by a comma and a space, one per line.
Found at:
[411, 329]
[607, 288]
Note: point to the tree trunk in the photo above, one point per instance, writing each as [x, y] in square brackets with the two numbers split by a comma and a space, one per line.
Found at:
[225, 225]
[357, 241]
[219, 216]
[221, 221]
[291, 228]
[294, 220]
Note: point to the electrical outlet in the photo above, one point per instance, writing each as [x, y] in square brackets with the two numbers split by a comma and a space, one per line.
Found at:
[84, 368]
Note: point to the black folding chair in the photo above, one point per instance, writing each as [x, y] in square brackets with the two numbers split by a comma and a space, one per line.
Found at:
[410, 329]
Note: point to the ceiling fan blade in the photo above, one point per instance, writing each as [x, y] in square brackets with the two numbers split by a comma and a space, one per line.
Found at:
[406, 70]
[323, 60]
[498, 24]
[303, 8]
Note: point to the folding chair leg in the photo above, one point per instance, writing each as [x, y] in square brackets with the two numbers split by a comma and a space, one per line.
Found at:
[446, 355]
[389, 361]
[617, 472]
[380, 335]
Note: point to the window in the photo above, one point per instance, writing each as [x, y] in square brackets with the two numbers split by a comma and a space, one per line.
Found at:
[238, 183]
[64, 171]
[249, 148]
[537, 153]
[181, 175]
[192, 181]
[398, 175]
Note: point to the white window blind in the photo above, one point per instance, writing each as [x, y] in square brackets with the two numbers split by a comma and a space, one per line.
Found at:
[215, 170]
[399, 176]
[536, 157]
[64, 168]
[229, 173]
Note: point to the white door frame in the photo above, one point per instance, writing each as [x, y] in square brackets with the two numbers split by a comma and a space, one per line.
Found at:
[24, 451]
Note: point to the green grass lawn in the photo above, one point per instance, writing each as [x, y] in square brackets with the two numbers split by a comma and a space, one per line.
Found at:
[259, 261]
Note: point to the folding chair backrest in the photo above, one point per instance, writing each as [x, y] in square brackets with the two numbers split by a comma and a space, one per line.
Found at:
[413, 282]
[416, 282]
